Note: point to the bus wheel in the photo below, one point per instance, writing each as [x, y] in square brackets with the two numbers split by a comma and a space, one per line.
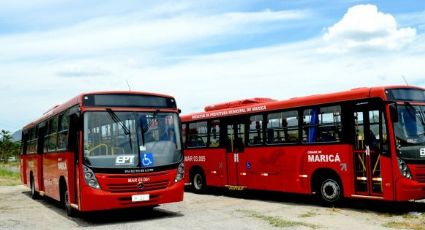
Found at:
[34, 194]
[66, 203]
[198, 182]
[330, 191]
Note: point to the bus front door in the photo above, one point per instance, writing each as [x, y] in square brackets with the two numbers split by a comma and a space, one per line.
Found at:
[369, 129]
[234, 147]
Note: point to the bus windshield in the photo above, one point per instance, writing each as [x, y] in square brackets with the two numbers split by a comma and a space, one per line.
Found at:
[131, 139]
[409, 132]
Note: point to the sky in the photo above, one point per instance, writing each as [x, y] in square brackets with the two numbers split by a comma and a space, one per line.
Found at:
[202, 52]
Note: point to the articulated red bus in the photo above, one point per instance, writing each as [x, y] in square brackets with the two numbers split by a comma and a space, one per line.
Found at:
[106, 150]
[362, 143]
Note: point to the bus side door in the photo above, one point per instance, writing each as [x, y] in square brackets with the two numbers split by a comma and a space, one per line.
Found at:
[235, 146]
[369, 148]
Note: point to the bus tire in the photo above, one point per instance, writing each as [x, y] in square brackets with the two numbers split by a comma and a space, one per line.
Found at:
[34, 193]
[198, 181]
[71, 212]
[330, 191]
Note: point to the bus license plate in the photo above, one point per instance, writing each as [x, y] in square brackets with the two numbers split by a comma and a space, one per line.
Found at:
[137, 198]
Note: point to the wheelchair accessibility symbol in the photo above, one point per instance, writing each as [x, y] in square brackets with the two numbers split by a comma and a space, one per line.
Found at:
[147, 159]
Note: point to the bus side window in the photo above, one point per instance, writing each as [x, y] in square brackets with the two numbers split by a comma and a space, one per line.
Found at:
[282, 127]
[310, 123]
[255, 135]
[240, 139]
[378, 129]
[197, 135]
[214, 133]
[184, 127]
[322, 124]
[63, 132]
[24, 142]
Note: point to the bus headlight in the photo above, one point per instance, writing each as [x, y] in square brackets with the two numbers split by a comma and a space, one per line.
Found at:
[90, 178]
[404, 169]
[180, 172]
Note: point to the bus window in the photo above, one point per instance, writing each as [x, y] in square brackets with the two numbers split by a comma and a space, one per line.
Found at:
[282, 127]
[24, 142]
[50, 139]
[359, 129]
[184, 134]
[197, 136]
[322, 124]
[378, 131]
[31, 147]
[63, 132]
[214, 133]
[255, 130]
[240, 138]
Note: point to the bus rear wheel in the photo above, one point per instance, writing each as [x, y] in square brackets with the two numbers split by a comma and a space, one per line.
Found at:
[198, 181]
[34, 193]
[330, 191]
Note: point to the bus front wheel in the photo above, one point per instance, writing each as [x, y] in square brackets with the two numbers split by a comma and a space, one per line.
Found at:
[71, 212]
[330, 191]
[198, 181]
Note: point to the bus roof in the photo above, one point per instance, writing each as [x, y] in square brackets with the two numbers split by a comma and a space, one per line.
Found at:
[77, 100]
[248, 108]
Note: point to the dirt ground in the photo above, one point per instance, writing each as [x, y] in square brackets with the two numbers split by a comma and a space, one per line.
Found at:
[219, 209]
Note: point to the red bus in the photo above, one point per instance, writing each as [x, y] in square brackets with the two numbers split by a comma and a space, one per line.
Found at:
[362, 143]
[106, 150]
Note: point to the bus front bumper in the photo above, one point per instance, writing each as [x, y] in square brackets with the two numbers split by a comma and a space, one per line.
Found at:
[410, 190]
[96, 200]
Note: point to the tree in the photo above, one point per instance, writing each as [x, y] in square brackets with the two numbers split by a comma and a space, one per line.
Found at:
[8, 148]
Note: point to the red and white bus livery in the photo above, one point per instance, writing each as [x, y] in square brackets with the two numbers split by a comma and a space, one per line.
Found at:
[106, 150]
[362, 143]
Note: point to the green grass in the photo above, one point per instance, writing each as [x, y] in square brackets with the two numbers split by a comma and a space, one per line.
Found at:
[308, 214]
[414, 225]
[277, 221]
[410, 216]
[8, 178]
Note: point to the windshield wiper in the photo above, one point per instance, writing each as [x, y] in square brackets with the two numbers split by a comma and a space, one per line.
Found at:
[116, 119]
[412, 111]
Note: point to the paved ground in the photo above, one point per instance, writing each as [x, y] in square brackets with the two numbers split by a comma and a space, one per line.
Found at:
[219, 209]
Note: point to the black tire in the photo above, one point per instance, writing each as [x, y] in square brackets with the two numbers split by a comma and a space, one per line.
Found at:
[198, 182]
[330, 191]
[34, 193]
[71, 212]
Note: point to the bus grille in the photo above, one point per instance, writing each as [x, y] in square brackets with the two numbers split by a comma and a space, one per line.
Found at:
[419, 174]
[132, 187]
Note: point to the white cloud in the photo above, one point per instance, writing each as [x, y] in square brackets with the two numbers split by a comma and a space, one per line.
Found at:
[42, 69]
[133, 31]
[363, 27]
